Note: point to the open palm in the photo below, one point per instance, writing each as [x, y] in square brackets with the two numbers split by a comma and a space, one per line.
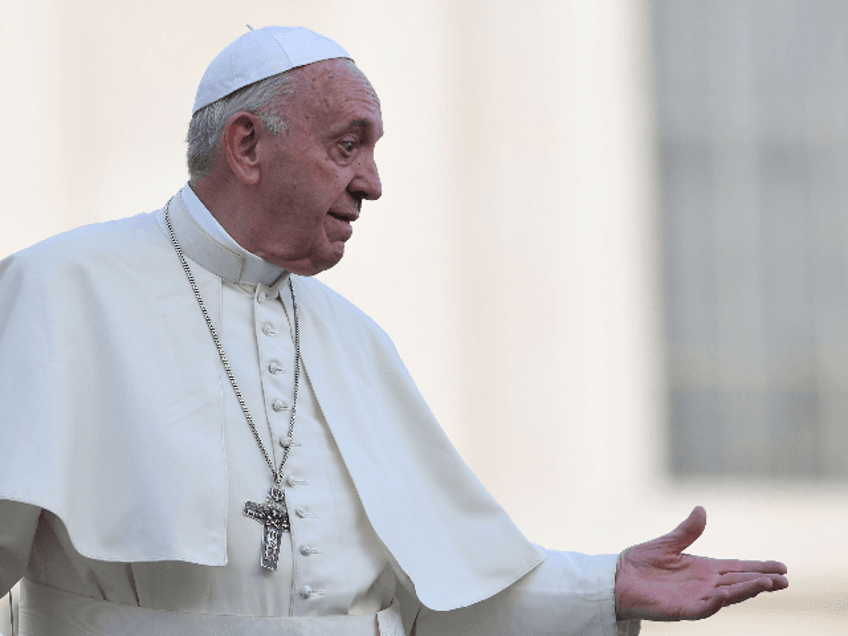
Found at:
[657, 581]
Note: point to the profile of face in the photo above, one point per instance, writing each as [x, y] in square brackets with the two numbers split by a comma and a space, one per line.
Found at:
[315, 174]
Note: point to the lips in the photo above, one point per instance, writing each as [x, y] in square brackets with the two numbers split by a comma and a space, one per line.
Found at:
[344, 217]
[340, 229]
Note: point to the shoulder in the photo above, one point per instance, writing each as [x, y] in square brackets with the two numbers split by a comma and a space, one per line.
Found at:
[330, 301]
[336, 312]
[96, 245]
[109, 236]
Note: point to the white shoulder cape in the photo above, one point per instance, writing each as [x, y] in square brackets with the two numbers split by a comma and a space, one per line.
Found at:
[110, 402]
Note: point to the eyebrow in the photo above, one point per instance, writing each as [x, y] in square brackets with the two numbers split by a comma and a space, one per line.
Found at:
[364, 123]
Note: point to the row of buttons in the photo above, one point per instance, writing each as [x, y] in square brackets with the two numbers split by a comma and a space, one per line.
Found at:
[273, 367]
[279, 405]
[269, 331]
[305, 549]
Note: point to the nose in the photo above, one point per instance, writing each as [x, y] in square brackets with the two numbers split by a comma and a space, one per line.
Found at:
[366, 183]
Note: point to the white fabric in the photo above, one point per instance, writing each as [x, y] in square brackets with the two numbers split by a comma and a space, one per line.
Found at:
[46, 611]
[105, 299]
[345, 563]
[332, 548]
[347, 566]
[259, 54]
[567, 595]
[537, 606]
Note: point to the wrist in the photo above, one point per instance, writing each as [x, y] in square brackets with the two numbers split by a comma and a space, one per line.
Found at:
[620, 613]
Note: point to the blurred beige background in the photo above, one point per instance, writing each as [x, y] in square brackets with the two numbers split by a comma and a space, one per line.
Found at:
[515, 258]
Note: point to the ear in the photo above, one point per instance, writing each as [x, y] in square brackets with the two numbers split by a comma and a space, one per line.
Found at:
[240, 144]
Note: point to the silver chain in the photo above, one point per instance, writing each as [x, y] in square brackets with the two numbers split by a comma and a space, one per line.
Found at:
[277, 473]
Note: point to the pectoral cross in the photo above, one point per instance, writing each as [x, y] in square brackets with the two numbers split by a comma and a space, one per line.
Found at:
[275, 521]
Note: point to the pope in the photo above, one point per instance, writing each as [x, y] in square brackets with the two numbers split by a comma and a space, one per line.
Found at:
[206, 440]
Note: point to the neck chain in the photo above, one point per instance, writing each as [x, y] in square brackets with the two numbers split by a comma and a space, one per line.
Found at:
[273, 514]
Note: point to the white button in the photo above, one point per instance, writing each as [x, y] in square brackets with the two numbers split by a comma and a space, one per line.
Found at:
[305, 591]
[279, 405]
[293, 481]
[261, 297]
[285, 442]
[268, 330]
[275, 368]
[305, 550]
[300, 512]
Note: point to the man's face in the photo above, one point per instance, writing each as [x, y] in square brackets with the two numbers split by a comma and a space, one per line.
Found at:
[320, 168]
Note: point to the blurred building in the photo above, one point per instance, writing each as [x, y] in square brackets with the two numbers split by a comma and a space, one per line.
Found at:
[751, 103]
[751, 100]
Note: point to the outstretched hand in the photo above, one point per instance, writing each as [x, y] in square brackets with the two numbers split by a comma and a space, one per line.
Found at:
[656, 581]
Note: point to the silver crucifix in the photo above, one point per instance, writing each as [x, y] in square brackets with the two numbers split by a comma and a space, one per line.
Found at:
[274, 518]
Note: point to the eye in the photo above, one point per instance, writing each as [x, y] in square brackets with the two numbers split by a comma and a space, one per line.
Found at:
[347, 146]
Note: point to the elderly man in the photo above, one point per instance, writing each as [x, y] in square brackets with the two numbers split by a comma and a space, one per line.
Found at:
[205, 440]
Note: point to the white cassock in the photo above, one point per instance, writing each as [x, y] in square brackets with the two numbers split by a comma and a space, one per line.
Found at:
[122, 503]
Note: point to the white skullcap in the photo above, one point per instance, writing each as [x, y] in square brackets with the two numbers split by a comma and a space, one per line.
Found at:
[259, 54]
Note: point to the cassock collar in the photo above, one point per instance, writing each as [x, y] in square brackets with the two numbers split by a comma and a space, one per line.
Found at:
[207, 243]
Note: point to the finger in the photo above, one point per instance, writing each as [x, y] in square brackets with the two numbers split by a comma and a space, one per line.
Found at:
[689, 530]
[743, 591]
[724, 596]
[738, 565]
[732, 578]
[779, 582]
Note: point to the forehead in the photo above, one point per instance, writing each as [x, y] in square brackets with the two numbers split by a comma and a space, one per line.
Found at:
[336, 93]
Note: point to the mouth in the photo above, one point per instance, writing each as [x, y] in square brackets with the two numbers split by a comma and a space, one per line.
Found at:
[343, 217]
[341, 230]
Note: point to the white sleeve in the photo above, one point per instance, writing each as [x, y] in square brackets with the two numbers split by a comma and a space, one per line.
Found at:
[570, 594]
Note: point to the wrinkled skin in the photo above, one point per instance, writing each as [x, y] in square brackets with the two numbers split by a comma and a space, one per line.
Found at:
[657, 581]
[291, 198]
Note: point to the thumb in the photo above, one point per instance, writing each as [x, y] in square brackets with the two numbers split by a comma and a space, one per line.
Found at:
[689, 530]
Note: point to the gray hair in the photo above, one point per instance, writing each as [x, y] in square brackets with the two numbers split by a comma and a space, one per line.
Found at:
[207, 124]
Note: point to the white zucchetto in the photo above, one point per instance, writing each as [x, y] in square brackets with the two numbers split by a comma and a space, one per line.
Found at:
[259, 54]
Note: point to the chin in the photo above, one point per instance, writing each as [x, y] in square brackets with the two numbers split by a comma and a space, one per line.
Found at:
[332, 259]
[315, 266]
[329, 265]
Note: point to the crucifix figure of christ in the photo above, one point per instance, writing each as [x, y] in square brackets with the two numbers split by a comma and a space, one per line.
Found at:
[274, 518]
